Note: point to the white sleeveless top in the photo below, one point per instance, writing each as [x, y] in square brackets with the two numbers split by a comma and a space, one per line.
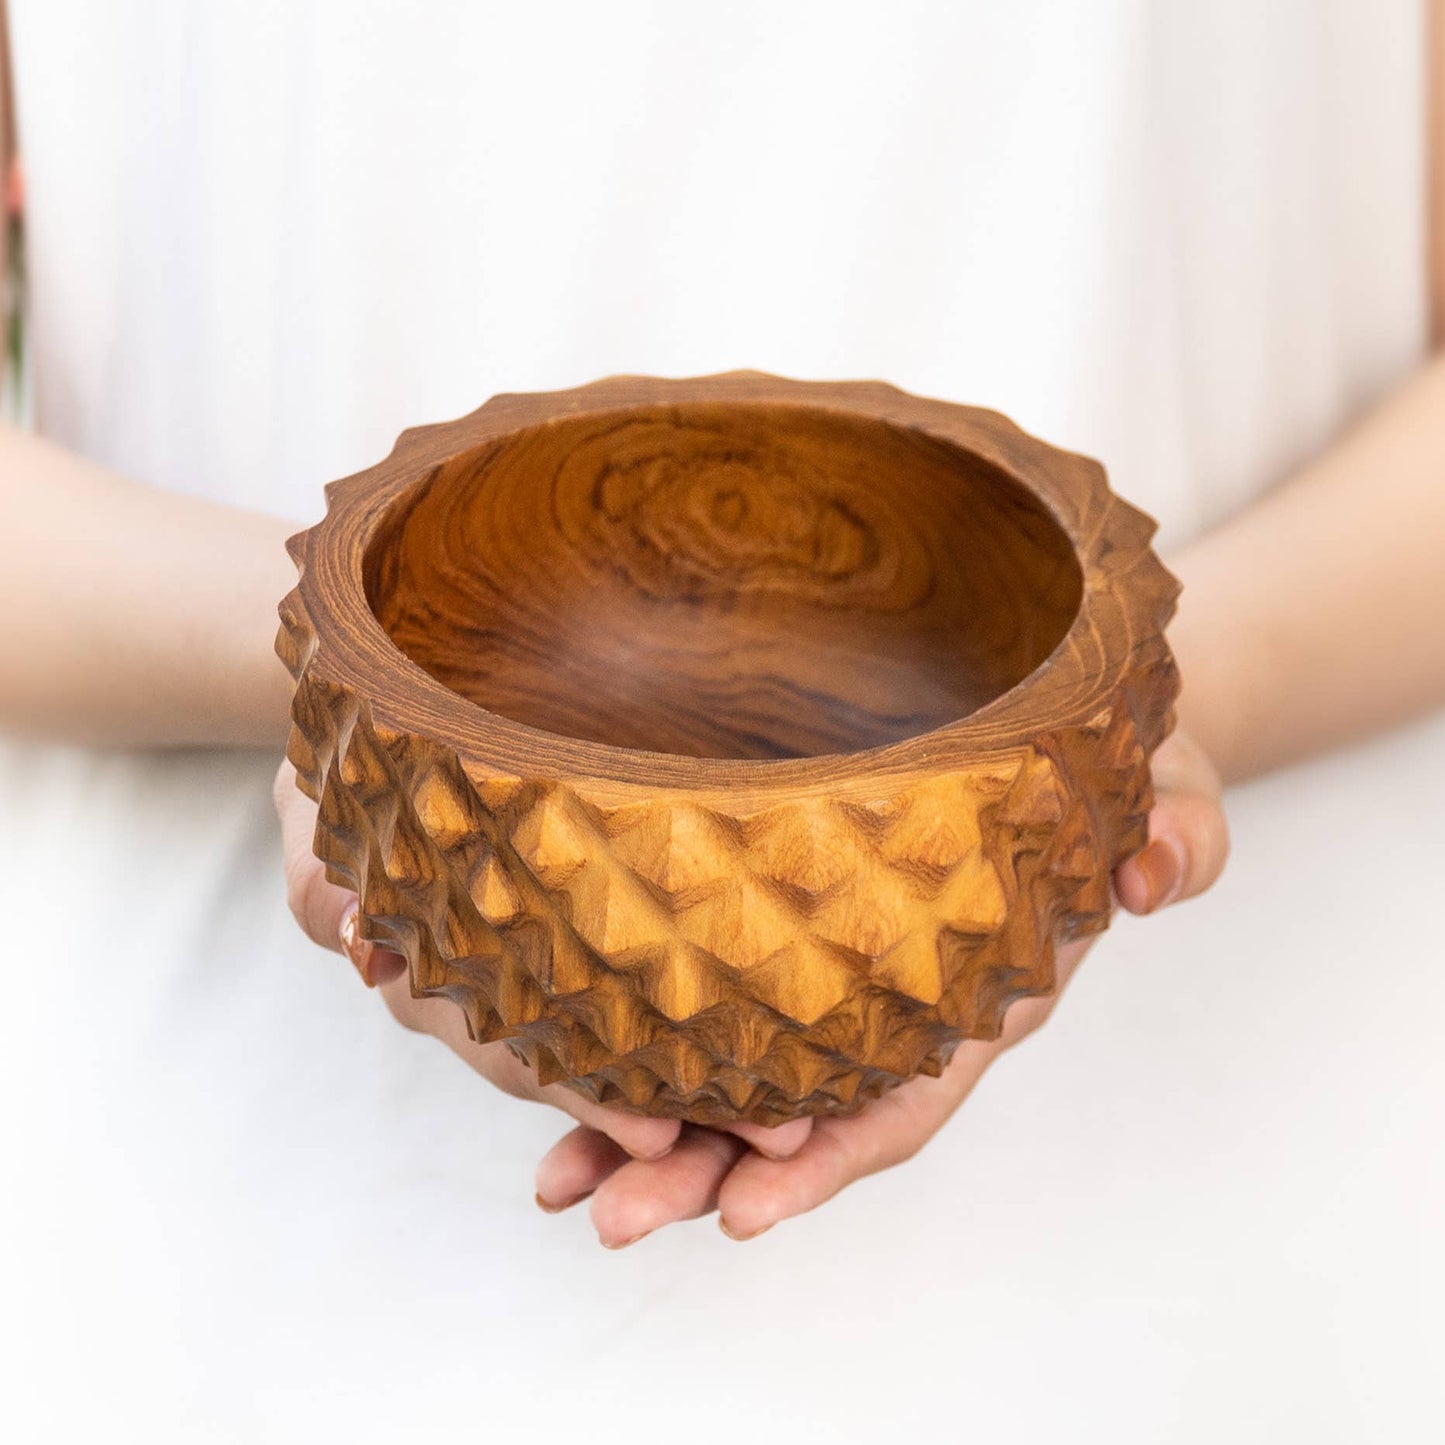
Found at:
[265, 237]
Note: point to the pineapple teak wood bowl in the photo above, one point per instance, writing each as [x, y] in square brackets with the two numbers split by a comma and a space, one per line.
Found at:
[731, 746]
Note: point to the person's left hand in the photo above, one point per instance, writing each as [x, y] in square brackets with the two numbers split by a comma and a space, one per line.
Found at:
[708, 1169]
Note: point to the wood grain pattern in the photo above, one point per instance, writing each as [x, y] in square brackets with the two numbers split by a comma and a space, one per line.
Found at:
[731, 746]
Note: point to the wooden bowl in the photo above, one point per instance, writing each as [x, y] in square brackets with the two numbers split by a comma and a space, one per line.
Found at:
[732, 746]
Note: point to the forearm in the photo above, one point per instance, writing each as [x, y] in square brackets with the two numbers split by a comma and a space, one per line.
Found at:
[134, 617]
[1318, 616]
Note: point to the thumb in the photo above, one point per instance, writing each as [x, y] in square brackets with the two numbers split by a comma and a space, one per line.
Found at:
[1188, 836]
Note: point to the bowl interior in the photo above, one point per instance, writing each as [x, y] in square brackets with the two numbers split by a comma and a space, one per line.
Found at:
[729, 580]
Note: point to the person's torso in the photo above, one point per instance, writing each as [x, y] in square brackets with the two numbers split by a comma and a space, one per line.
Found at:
[265, 238]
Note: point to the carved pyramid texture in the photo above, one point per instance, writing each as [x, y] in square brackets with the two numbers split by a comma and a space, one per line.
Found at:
[709, 955]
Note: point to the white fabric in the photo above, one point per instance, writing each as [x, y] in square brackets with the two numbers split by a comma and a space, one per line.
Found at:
[265, 237]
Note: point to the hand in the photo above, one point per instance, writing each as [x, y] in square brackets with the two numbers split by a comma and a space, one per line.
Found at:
[706, 1170]
[609, 1138]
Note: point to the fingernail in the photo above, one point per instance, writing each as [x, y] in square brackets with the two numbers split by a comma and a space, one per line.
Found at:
[732, 1233]
[358, 949]
[624, 1243]
[1162, 864]
[546, 1208]
[653, 1158]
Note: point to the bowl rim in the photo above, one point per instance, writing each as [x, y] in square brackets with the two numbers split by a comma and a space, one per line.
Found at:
[1127, 596]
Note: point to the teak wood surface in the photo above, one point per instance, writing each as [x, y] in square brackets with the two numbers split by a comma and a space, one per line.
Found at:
[731, 746]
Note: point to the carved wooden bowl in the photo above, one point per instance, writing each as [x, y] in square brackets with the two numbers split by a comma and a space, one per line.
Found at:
[732, 746]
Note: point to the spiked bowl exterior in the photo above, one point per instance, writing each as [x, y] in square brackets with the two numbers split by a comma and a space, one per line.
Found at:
[731, 939]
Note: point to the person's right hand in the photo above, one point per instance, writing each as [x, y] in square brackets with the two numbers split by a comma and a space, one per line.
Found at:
[327, 915]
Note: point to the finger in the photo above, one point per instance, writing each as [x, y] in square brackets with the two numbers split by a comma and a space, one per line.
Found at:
[320, 906]
[1187, 849]
[1188, 836]
[774, 1141]
[643, 1138]
[574, 1166]
[643, 1196]
[759, 1192]
[327, 913]
[376, 965]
